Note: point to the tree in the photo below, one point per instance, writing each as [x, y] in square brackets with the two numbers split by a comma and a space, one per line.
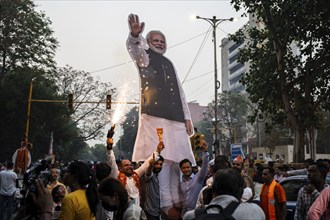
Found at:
[27, 49]
[26, 39]
[90, 118]
[323, 140]
[232, 109]
[233, 114]
[44, 117]
[99, 152]
[289, 88]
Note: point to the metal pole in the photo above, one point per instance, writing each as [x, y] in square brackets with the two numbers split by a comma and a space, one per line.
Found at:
[214, 21]
[214, 25]
[28, 113]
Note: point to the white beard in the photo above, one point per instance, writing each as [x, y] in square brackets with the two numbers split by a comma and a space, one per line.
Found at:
[157, 50]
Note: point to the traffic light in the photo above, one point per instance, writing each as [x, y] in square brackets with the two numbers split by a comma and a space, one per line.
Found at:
[70, 101]
[198, 141]
[108, 102]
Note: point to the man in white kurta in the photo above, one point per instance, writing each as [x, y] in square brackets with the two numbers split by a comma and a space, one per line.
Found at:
[162, 105]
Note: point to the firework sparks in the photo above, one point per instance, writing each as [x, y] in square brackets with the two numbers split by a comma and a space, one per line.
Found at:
[125, 93]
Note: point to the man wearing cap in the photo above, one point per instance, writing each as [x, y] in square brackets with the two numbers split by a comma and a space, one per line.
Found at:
[248, 193]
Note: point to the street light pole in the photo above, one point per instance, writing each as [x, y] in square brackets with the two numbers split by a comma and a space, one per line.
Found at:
[214, 21]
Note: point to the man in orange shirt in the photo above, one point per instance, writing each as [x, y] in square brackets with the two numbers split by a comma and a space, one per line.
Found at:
[272, 196]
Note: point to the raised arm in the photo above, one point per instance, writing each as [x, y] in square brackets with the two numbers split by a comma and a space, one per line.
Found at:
[202, 172]
[154, 156]
[135, 26]
[111, 160]
[135, 43]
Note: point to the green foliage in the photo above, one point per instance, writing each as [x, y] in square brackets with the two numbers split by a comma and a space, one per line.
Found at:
[27, 49]
[288, 55]
[26, 39]
[99, 152]
[44, 118]
[233, 109]
[85, 154]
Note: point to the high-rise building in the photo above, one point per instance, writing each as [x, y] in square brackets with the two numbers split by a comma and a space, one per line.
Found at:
[232, 70]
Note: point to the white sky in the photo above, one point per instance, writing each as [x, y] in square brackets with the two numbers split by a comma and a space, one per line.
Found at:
[92, 37]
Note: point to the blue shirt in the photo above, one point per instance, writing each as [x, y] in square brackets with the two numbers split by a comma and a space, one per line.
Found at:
[191, 187]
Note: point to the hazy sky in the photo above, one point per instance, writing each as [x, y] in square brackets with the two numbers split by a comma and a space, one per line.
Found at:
[92, 37]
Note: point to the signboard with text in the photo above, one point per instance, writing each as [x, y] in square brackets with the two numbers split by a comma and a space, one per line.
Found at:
[235, 150]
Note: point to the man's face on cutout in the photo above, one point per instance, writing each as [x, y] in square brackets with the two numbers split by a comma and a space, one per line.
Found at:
[157, 43]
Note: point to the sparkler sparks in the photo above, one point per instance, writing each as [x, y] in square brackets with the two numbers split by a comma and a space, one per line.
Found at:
[126, 93]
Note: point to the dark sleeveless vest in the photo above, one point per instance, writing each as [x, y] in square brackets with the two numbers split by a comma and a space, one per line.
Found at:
[160, 94]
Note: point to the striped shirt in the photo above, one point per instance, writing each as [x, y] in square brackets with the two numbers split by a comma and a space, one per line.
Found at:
[191, 187]
[304, 201]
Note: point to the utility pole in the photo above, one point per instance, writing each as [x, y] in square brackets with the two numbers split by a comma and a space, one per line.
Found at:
[214, 21]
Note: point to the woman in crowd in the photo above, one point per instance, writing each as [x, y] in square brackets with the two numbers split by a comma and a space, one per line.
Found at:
[114, 198]
[82, 201]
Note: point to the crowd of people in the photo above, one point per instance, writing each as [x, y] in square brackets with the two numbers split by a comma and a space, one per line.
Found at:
[117, 190]
[168, 184]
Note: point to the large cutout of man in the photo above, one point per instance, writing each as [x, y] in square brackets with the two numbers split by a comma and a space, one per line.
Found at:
[162, 105]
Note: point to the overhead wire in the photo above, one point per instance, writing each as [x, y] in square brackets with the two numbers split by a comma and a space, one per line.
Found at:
[206, 35]
[194, 97]
[187, 40]
[204, 74]
[121, 64]
[197, 55]
[199, 88]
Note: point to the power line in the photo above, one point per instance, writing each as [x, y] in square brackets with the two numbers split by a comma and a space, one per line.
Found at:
[198, 53]
[200, 87]
[204, 74]
[187, 40]
[121, 64]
